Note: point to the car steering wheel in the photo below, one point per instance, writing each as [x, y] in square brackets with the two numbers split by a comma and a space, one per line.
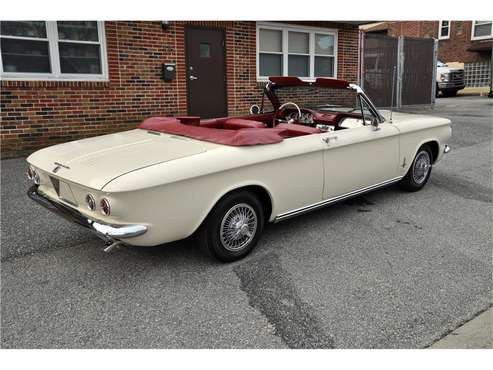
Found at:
[280, 110]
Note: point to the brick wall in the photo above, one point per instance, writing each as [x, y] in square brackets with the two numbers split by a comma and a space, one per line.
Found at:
[36, 114]
[453, 49]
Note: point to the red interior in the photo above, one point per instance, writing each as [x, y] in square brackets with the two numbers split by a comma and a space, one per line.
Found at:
[246, 130]
[236, 133]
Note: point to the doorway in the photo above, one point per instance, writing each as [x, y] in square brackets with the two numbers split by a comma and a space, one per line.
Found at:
[206, 72]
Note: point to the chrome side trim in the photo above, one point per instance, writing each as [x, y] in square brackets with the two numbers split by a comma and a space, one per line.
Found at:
[326, 202]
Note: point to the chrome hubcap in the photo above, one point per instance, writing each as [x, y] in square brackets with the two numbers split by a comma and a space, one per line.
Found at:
[238, 227]
[422, 165]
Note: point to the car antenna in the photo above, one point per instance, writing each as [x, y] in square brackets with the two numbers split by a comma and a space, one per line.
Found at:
[394, 75]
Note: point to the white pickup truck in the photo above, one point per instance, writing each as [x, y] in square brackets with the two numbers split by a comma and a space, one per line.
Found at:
[449, 80]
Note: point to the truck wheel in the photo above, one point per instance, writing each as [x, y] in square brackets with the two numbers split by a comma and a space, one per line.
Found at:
[233, 227]
[450, 93]
[420, 170]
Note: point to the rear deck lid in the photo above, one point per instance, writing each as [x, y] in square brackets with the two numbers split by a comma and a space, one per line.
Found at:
[95, 161]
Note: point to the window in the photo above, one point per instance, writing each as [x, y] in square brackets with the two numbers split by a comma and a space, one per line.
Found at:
[64, 50]
[481, 30]
[444, 30]
[284, 50]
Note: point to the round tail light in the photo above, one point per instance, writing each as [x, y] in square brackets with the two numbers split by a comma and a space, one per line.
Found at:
[29, 173]
[91, 203]
[105, 206]
[35, 177]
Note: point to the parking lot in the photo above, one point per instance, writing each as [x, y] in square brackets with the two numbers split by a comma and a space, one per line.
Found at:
[387, 270]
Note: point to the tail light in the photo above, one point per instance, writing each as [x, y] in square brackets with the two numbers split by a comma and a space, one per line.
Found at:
[91, 203]
[29, 173]
[33, 175]
[105, 206]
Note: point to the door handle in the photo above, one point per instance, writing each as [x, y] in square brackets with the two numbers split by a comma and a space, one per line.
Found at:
[192, 78]
[328, 139]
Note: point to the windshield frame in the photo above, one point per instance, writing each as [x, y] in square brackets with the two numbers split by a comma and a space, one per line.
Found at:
[271, 87]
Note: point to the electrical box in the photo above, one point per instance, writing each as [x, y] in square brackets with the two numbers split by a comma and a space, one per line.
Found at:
[169, 71]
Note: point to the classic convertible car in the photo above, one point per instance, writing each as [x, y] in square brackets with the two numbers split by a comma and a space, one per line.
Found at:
[308, 145]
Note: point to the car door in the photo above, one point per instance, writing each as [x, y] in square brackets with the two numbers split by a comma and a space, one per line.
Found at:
[358, 158]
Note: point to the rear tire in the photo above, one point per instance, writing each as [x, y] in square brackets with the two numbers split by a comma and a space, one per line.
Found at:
[420, 170]
[233, 227]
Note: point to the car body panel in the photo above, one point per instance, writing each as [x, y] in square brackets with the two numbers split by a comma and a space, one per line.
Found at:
[360, 157]
[95, 161]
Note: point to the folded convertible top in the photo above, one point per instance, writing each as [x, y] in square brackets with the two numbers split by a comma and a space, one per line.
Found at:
[240, 137]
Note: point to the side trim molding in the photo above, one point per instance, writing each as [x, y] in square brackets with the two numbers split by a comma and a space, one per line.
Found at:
[327, 202]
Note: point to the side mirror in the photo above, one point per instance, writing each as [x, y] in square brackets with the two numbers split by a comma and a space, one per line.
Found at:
[254, 109]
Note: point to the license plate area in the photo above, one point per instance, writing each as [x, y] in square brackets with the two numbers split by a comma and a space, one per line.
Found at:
[63, 190]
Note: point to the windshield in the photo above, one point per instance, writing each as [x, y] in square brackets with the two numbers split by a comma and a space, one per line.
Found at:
[321, 99]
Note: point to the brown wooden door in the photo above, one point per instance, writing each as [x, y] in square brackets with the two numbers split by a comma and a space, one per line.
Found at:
[206, 72]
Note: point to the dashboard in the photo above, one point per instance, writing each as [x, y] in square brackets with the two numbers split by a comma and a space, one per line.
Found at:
[326, 121]
[306, 117]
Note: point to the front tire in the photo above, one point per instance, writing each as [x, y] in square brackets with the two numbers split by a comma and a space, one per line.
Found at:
[420, 170]
[233, 227]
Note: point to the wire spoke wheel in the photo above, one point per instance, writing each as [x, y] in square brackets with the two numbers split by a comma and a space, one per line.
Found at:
[421, 167]
[238, 227]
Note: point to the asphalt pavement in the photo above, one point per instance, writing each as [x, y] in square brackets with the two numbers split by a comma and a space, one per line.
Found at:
[389, 269]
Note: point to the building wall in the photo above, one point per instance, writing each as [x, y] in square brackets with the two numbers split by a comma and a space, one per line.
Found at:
[36, 114]
[453, 49]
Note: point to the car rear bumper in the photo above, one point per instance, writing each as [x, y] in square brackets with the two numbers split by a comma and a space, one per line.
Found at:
[103, 230]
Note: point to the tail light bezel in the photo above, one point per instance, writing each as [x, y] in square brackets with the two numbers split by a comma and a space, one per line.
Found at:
[33, 175]
[91, 202]
[105, 206]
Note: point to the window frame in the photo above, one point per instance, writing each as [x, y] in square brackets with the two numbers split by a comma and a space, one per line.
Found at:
[473, 27]
[56, 74]
[285, 28]
[440, 26]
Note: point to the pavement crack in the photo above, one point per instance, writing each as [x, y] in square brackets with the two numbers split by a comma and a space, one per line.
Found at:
[271, 291]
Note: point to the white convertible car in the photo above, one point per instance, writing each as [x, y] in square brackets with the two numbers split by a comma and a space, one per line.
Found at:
[308, 145]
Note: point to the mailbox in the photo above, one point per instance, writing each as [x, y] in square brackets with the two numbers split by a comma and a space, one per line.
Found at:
[169, 71]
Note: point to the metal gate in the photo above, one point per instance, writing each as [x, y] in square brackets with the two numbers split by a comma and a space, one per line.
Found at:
[398, 71]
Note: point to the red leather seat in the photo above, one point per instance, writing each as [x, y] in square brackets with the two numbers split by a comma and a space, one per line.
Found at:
[237, 123]
[294, 129]
[231, 123]
[211, 123]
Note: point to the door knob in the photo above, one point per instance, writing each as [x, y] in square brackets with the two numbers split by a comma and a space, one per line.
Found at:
[193, 77]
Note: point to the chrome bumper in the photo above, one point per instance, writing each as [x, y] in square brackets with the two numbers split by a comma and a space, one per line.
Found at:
[104, 231]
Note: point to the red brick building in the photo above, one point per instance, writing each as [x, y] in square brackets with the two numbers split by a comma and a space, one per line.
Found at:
[62, 81]
[467, 42]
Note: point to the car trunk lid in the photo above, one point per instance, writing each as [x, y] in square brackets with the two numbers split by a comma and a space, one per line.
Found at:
[95, 161]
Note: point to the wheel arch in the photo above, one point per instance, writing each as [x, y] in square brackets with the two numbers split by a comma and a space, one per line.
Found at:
[434, 146]
[258, 189]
